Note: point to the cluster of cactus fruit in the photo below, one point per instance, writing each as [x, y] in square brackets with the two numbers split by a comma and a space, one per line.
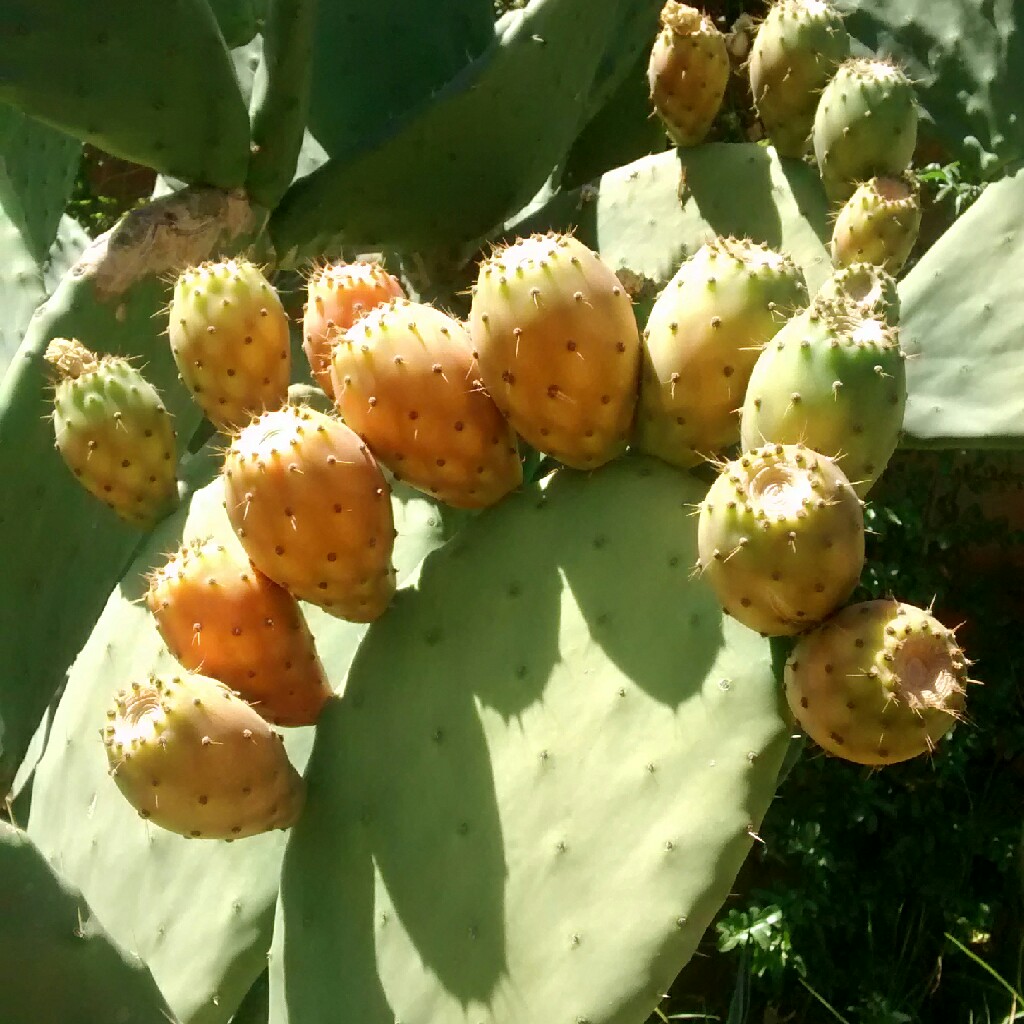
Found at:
[735, 426]
[732, 354]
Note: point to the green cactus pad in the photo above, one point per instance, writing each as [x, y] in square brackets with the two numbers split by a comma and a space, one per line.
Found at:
[372, 190]
[62, 967]
[198, 893]
[561, 719]
[109, 301]
[280, 97]
[21, 280]
[965, 59]
[835, 382]
[647, 217]
[39, 165]
[962, 306]
[148, 81]
[71, 241]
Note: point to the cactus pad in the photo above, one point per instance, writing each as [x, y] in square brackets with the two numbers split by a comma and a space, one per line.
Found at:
[461, 751]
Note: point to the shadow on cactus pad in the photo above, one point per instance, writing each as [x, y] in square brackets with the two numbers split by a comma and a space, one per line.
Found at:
[525, 812]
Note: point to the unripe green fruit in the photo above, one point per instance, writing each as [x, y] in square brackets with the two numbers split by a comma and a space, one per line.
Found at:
[865, 125]
[796, 50]
[834, 381]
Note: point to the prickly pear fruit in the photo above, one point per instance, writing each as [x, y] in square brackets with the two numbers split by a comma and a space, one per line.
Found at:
[687, 72]
[195, 759]
[558, 347]
[405, 380]
[835, 382]
[781, 538]
[113, 432]
[312, 510]
[219, 615]
[865, 125]
[702, 339]
[878, 224]
[796, 51]
[879, 682]
[337, 295]
[869, 289]
[229, 337]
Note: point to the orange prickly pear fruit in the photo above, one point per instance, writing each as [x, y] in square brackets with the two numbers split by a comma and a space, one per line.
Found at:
[312, 510]
[337, 296]
[405, 380]
[195, 759]
[878, 683]
[219, 615]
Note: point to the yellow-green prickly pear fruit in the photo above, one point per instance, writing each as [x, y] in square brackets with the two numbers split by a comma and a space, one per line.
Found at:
[796, 51]
[878, 683]
[878, 224]
[193, 758]
[687, 72]
[835, 381]
[701, 341]
[558, 347]
[780, 538]
[229, 337]
[406, 382]
[113, 432]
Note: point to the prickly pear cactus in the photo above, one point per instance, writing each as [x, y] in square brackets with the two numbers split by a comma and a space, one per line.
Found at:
[114, 432]
[219, 615]
[229, 335]
[558, 347]
[194, 758]
[405, 379]
[311, 507]
[867, 288]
